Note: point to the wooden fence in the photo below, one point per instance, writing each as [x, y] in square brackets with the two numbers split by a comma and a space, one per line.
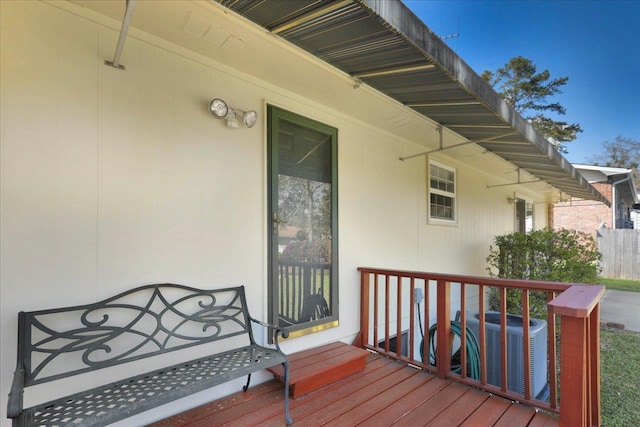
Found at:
[620, 251]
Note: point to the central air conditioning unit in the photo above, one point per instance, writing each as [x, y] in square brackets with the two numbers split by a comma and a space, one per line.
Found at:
[515, 351]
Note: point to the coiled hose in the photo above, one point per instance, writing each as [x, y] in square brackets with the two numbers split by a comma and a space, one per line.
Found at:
[473, 350]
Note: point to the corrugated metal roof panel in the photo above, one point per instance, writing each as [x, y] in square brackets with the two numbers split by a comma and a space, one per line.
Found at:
[382, 43]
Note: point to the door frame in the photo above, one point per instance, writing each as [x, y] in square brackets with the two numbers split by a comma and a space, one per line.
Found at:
[273, 115]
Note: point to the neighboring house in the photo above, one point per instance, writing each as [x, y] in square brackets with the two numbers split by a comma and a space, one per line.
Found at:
[286, 235]
[617, 185]
[115, 178]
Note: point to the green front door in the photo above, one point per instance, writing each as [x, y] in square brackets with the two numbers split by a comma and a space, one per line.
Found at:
[303, 292]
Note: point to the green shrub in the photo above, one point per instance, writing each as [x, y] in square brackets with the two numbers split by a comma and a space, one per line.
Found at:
[551, 255]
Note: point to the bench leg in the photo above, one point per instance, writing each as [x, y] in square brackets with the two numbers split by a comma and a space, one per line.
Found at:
[285, 366]
[246, 386]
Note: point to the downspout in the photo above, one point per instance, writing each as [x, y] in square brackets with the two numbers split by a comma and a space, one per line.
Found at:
[614, 202]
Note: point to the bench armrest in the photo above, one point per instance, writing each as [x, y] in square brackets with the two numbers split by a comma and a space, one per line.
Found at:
[277, 330]
[14, 404]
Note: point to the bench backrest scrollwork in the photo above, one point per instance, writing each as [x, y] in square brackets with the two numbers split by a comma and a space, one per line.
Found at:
[139, 323]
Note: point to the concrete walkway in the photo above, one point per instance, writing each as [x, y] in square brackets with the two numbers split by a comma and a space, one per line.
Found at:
[621, 308]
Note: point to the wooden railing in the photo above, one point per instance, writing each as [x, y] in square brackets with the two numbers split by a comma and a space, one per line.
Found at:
[297, 281]
[395, 323]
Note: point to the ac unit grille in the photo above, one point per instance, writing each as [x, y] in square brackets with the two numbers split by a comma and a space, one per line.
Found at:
[515, 351]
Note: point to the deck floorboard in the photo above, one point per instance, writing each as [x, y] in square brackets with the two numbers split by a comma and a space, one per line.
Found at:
[385, 393]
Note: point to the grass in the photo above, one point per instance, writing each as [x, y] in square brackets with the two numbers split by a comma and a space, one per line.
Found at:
[620, 378]
[620, 284]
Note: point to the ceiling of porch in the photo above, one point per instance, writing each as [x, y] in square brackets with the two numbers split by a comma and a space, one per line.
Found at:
[383, 45]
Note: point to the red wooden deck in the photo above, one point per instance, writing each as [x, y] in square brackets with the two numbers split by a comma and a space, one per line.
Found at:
[385, 393]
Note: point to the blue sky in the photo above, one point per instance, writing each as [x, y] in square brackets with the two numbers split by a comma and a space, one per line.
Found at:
[595, 43]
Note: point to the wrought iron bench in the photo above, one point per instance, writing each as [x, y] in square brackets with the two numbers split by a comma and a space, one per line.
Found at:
[142, 323]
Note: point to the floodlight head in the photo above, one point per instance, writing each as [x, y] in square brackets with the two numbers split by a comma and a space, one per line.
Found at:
[249, 118]
[232, 116]
[218, 108]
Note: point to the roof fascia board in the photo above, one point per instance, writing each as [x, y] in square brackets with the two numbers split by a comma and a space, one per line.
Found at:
[607, 170]
[614, 174]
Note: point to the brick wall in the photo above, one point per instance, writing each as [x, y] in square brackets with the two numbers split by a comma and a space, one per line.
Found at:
[582, 215]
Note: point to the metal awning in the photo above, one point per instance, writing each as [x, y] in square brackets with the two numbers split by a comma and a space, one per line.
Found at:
[384, 45]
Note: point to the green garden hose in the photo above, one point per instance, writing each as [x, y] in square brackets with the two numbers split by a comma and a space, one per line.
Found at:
[473, 351]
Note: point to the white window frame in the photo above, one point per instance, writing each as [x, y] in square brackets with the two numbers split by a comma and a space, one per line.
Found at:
[452, 195]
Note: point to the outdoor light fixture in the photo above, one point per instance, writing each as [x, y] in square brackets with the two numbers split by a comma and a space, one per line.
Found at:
[249, 118]
[218, 108]
[232, 116]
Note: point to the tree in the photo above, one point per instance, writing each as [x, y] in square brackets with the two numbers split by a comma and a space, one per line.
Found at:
[302, 202]
[527, 92]
[620, 153]
[306, 204]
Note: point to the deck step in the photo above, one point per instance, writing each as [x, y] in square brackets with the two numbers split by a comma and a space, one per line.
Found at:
[316, 367]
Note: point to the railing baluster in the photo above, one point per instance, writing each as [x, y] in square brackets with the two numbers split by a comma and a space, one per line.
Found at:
[303, 282]
[503, 339]
[289, 290]
[387, 317]
[314, 280]
[552, 354]
[526, 344]
[463, 333]
[331, 290]
[289, 297]
[427, 317]
[376, 303]
[280, 288]
[412, 315]
[483, 336]
[297, 296]
[399, 328]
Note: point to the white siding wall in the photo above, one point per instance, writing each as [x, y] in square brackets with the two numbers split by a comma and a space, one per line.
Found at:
[114, 179]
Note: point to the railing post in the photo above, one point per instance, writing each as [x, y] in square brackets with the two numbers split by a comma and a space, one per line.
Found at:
[573, 367]
[364, 309]
[443, 329]
[579, 308]
[594, 354]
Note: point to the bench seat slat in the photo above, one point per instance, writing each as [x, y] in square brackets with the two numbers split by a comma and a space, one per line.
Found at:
[118, 400]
